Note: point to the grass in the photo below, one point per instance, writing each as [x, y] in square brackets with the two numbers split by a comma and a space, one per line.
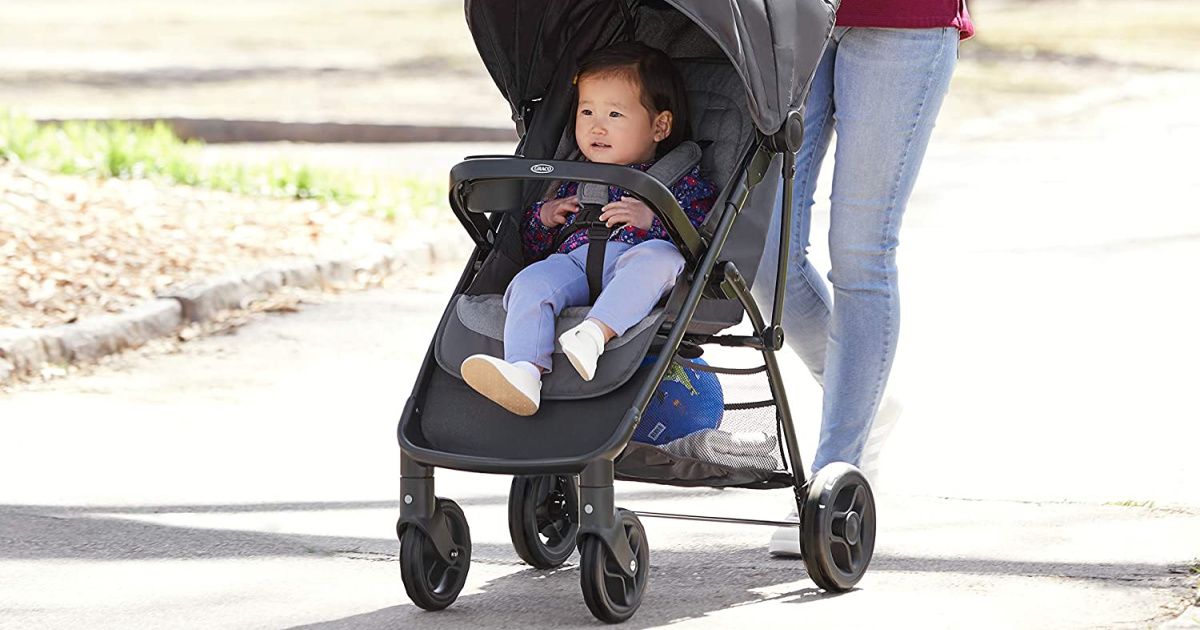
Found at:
[129, 151]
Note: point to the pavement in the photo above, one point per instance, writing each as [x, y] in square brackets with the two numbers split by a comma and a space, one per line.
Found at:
[1043, 476]
[353, 62]
[217, 488]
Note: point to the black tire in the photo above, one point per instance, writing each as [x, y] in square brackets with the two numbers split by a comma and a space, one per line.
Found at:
[837, 527]
[611, 595]
[543, 518]
[431, 582]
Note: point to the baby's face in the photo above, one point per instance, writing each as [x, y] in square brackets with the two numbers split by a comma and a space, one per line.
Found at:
[611, 124]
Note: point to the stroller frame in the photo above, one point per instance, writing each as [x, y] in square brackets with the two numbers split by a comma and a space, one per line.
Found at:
[596, 469]
[439, 523]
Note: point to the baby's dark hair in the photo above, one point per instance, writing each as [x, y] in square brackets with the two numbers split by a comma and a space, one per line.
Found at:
[659, 82]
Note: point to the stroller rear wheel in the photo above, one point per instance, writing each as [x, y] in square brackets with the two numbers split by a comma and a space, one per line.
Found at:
[611, 595]
[543, 518]
[431, 582]
[837, 527]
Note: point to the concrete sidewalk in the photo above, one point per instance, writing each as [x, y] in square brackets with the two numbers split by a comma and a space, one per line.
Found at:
[249, 481]
[1043, 476]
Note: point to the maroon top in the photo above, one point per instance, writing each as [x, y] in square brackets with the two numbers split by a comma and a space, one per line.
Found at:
[907, 14]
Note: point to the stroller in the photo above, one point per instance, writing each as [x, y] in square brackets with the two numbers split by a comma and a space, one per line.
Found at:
[747, 66]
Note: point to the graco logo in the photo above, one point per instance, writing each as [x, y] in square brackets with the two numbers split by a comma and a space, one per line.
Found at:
[541, 168]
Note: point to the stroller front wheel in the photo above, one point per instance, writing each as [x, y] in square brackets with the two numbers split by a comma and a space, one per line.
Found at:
[610, 594]
[543, 518]
[837, 527]
[431, 582]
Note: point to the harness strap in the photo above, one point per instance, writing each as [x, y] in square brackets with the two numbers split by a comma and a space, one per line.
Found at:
[597, 243]
[593, 197]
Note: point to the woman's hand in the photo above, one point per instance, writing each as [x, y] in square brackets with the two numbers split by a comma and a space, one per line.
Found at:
[554, 213]
[629, 211]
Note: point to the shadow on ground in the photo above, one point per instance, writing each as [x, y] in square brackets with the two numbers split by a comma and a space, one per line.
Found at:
[683, 584]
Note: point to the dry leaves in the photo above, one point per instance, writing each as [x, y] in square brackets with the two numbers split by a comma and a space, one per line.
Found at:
[75, 247]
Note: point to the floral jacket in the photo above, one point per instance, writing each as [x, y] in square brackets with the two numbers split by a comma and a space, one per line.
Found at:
[695, 194]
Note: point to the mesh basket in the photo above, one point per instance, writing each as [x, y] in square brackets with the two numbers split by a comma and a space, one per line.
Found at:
[726, 431]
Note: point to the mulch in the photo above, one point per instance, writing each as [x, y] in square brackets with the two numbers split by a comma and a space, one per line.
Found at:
[76, 247]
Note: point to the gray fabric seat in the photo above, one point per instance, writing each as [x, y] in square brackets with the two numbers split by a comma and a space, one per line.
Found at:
[475, 324]
[720, 124]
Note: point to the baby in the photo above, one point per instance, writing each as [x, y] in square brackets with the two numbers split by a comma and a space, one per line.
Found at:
[631, 107]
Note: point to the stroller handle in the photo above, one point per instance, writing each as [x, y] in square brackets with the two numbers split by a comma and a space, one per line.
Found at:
[481, 184]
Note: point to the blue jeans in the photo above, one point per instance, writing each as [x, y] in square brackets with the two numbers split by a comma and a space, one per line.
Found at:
[879, 91]
[635, 278]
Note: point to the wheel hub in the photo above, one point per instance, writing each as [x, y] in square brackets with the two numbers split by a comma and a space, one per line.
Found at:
[853, 527]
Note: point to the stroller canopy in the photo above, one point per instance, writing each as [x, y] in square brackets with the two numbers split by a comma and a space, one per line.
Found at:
[775, 45]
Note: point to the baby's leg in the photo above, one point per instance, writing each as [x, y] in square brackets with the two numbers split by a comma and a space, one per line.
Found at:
[533, 299]
[642, 275]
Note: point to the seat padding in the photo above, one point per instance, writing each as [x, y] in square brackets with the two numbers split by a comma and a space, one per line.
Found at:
[719, 121]
[474, 324]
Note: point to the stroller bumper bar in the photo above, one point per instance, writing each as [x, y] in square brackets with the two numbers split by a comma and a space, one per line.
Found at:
[492, 184]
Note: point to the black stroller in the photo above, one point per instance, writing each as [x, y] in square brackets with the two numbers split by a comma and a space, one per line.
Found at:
[747, 66]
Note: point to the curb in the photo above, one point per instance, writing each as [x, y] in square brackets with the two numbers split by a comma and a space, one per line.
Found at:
[24, 352]
[221, 131]
[1189, 620]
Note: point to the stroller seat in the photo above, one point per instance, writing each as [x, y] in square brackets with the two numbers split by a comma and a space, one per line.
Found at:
[576, 416]
[475, 324]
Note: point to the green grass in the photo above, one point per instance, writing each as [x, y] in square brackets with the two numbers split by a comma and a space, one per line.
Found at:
[128, 151]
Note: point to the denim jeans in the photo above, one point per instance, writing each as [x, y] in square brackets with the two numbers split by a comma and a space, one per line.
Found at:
[634, 278]
[879, 92]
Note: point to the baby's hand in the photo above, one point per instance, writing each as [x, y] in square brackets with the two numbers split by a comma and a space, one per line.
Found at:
[554, 213]
[629, 211]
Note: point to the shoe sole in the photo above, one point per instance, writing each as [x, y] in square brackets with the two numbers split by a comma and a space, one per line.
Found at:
[578, 365]
[486, 379]
[575, 362]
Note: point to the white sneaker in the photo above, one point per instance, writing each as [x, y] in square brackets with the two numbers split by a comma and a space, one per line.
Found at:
[886, 418]
[510, 386]
[583, 345]
[785, 542]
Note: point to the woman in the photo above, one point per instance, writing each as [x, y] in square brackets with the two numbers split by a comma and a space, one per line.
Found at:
[878, 88]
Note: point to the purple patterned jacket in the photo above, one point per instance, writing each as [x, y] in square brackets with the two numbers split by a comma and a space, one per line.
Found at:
[695, 194]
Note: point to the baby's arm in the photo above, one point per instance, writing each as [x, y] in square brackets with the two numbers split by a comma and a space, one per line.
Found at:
[536, 236]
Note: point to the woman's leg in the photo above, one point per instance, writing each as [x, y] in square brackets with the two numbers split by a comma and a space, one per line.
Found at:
[806, 298]
[639, 278]
[888, 88]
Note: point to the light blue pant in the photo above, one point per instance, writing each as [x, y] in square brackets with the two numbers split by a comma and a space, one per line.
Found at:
[879, 91]
[635, 278]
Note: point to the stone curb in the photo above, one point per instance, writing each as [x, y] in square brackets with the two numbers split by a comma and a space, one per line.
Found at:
[24, 352]
[1189, 620]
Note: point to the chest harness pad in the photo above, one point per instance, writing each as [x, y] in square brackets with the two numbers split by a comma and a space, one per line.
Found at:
[593, 197]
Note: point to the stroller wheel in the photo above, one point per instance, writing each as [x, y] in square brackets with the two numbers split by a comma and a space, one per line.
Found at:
[431, 582]
[543, 518]
[611, 595]
[837, 527]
